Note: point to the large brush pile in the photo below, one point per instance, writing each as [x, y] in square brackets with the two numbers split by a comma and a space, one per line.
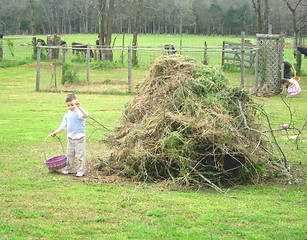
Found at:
[187, 125]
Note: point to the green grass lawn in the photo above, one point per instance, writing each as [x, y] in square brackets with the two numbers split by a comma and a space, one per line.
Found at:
[38, 204]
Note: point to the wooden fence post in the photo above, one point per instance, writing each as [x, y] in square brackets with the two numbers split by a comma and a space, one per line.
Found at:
[49, 50]
[205, 54]
[34, 46]
[242, 58]
[1, 47]
[256, 83]
[223, 53]
[55, 72]
[88, 60]
[281, 57]
[56, 42]
[129, 68]
[64, 49]
[38, 59]
[180, 46]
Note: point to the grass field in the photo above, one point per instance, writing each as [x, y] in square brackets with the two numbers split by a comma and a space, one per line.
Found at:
[38, 204]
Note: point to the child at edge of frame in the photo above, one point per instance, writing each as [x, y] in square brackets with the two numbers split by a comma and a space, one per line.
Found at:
[74, 123]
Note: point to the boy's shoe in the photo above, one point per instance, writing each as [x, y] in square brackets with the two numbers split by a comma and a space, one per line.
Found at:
[65, 172]
[79, 174]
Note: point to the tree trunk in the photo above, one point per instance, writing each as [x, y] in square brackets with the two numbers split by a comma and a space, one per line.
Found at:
[296, 30]
[109, 23]
[109, 53]
[257, 8]
[266, 16]
[101, 10]
[32, 17]
[139, 6]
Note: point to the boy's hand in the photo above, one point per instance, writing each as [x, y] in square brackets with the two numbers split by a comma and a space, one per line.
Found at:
[76, 102]
[53, 134]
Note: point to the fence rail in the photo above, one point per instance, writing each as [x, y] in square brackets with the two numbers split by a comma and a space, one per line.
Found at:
[87, 61]
[55, 62]
[232, 52]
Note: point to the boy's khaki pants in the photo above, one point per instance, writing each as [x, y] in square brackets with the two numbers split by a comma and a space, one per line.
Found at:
[76, 149]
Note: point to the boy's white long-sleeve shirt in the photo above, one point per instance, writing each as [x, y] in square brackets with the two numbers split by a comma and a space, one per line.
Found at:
[74, 124]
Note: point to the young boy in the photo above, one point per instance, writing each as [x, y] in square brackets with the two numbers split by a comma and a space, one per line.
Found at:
[74, 123]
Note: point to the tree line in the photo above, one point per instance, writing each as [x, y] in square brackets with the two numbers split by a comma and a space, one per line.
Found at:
[208, 17]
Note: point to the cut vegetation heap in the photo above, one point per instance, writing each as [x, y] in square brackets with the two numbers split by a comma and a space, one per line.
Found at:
[189, 126]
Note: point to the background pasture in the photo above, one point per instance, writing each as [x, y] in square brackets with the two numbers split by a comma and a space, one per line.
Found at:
[37, 204]
[150, 47]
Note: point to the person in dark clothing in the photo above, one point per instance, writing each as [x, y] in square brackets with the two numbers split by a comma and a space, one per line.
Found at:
[287, 70]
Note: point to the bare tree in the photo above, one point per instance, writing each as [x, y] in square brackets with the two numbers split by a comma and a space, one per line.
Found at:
[102, 16]
[138, 5]
[299, 16]
[261, 21]
[32, 13]
[257, 8]
[106, 11]
[167, 16]
[266, 15]
[109, 22]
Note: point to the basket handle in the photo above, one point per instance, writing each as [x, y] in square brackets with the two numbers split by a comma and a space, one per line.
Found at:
[45, 145]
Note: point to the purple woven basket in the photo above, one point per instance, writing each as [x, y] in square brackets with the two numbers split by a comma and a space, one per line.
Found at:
[57, 162]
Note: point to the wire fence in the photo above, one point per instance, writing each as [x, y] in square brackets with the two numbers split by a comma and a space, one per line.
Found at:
[80, 68]
[17, 50]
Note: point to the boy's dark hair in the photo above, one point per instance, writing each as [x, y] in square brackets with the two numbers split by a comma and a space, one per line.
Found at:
[70, 97]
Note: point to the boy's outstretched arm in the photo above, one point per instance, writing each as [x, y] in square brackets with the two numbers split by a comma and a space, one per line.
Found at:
[56, 132]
